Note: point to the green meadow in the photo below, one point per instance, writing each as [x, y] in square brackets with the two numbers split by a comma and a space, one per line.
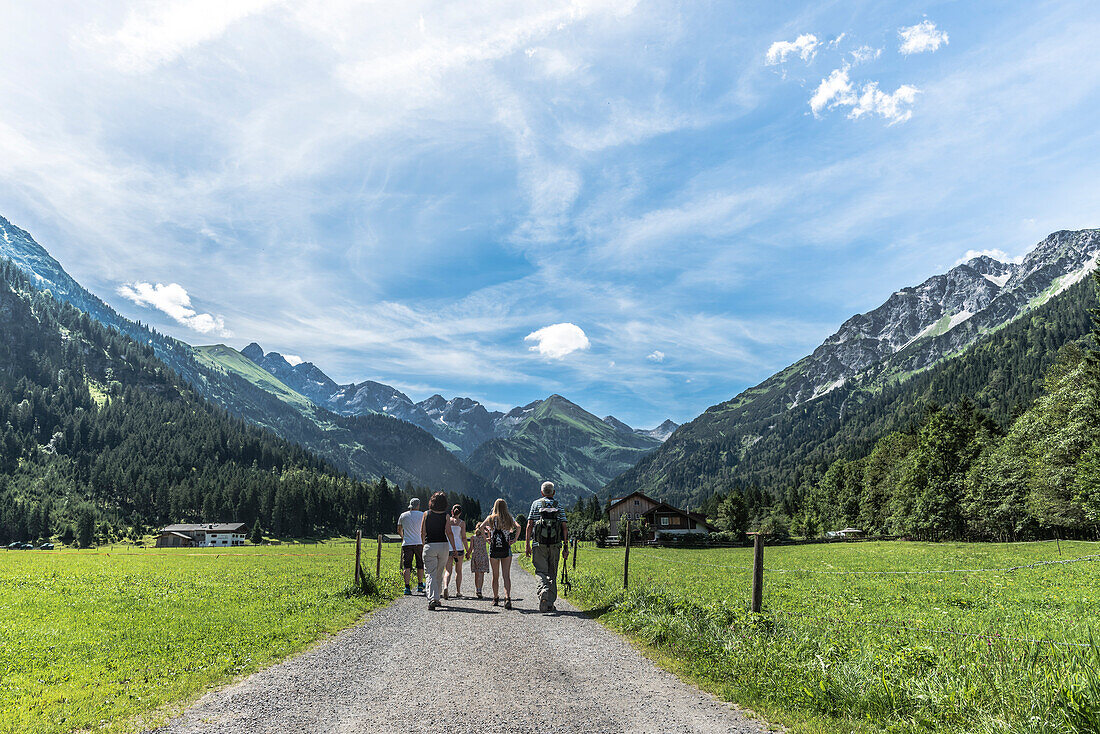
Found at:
[117, 638]
[846, 643]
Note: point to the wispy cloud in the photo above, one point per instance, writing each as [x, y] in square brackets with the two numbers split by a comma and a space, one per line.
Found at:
[656, 356]
[151, 38]
[923, 36]
[404, 196]
[864, 54]
[174, 300]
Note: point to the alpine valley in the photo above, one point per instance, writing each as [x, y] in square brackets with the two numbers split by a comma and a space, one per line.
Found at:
[370, 430]
[985, 333]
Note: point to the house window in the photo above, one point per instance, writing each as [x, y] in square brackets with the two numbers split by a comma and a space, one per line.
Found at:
[637, 502]
[664, 521]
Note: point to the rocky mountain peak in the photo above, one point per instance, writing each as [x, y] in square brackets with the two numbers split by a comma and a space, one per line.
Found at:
[254, 352]
[617, 424]
[661, 432]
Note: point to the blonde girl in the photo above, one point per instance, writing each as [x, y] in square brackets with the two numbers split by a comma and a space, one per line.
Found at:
[502, 529]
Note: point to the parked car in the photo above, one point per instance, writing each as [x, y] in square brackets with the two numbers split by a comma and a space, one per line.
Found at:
[46, 546]
[15, 546]
[28, 546]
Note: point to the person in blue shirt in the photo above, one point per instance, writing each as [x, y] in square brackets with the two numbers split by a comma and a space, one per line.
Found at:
[548, 533]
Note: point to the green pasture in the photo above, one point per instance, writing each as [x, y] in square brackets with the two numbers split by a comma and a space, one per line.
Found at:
[110, 639]
[978, 650]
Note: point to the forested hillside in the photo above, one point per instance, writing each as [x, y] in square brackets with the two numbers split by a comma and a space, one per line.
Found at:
[959, 477]
[366, 447]
[96, 431]
[745, 445]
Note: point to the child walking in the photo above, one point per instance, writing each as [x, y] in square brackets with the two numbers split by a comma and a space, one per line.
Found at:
[479, 557]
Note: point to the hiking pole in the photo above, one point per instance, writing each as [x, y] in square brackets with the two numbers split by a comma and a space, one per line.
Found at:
[565, 585]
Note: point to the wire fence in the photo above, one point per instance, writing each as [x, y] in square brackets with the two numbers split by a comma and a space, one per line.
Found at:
[911, 572]
[645, 554]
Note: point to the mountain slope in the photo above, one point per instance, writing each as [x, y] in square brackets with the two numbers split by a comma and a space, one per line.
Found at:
[879, 370]
[367, 447]
[95, 426]
[557, 440]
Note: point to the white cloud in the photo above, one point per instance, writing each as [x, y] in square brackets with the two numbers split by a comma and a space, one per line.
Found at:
[996, 254]
[173, 300]
[864, 54]
[836, 41]
[832, 91]
[293, 359]
[894, 107]
[557, 340]
[148, 40]
[804, 46]
[656, 356]
[923, 36]
[837, 91]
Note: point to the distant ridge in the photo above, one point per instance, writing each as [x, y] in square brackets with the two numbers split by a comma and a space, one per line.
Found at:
[772, 434]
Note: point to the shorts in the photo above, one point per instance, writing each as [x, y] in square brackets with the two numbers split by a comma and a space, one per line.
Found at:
[458, 555]
[409, 553]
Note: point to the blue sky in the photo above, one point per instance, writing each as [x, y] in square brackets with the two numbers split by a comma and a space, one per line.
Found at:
[414, 192]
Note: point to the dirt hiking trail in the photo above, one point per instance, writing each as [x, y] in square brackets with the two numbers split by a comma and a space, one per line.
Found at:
[465, 668]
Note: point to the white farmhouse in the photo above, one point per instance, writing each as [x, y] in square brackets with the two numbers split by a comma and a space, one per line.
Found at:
[207, 535]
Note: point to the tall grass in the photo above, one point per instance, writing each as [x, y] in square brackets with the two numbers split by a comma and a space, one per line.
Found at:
[858, 652]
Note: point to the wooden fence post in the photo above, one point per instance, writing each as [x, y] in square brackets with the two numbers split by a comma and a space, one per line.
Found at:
[626, 557]
[378, 563]
[358, 544]
[757, 572]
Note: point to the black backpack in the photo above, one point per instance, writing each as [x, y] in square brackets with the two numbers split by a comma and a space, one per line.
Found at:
[498, 544]
[548, 526]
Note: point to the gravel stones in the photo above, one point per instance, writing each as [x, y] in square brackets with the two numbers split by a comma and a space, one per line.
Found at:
[467, 667]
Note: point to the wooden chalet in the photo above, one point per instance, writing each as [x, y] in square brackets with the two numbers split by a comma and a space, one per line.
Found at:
[660, 516]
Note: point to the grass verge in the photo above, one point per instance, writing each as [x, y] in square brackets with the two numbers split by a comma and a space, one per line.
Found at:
[109, 638]
[899, 653]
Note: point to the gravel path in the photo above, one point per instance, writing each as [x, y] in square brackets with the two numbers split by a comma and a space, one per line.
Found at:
[384, 676]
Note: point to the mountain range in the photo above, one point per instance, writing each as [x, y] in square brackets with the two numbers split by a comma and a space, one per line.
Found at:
[880, 366]
[982, 330]
[551, 439]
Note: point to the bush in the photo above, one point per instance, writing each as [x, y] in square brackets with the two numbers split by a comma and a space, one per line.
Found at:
[599, 531]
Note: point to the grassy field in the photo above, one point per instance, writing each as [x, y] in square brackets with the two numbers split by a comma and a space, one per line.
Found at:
[973, 651]
[110, 638]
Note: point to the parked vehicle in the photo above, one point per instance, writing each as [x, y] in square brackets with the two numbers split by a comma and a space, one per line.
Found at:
[46, 546]
[27, 546]
[15, 546]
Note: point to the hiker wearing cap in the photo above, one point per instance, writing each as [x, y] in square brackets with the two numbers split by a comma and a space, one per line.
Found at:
[547, 532]
[412, 545]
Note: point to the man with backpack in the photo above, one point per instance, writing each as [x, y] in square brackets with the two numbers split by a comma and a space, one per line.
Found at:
[547, 532]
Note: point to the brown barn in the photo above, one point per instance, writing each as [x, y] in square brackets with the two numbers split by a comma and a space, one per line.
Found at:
[170, 539]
